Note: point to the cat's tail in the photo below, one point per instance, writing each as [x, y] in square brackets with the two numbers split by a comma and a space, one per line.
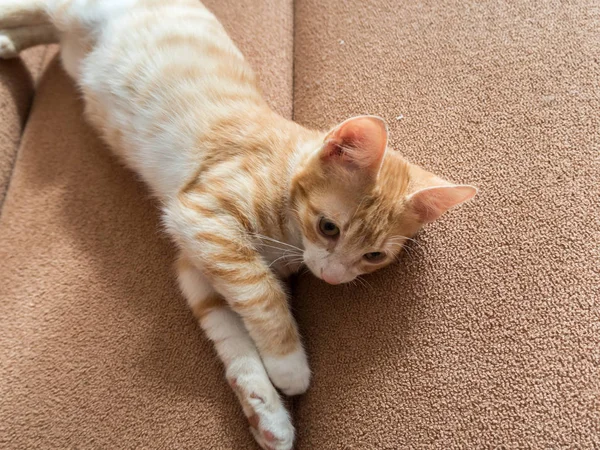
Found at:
[24, 24]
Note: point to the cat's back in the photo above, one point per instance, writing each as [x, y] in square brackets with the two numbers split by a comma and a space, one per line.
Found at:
[160, 76]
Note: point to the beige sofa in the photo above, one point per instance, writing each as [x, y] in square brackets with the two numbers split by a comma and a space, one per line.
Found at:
[485, 335]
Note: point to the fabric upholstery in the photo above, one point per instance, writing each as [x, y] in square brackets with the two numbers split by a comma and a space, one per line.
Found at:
[487, 333]
[17, 86]
[98, 348]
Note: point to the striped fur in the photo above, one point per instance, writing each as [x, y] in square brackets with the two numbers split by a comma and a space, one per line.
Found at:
[243, 190]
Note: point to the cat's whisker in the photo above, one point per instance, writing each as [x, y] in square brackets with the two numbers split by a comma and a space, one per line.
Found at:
[362, 280]
[295, 252]
[278, 259]
[404, 238]
[400, 241]
[299, 262]
[262, 236]
[409, 253]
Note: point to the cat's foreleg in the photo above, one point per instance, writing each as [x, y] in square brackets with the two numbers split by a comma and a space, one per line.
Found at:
[269, 420]
[253, 291]
[222, 250]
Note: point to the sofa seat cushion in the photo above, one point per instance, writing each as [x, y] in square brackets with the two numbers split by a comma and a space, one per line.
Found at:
[487, 333]
[98, 348]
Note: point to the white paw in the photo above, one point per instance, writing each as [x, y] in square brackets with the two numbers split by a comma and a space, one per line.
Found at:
[270, 422]
[272, 430]
[7, 46]
[290, 373]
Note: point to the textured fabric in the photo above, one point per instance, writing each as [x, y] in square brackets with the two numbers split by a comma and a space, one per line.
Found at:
[487, 333]
[17, 83]
[97, 346]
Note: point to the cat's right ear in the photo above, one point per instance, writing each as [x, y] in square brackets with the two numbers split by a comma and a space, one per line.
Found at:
[358, 143]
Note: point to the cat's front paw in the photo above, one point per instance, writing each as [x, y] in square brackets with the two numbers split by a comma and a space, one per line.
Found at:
[290, 373]
[269, 421]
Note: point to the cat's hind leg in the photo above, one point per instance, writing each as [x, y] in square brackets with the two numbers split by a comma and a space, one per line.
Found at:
[14, 40]
[269, 420]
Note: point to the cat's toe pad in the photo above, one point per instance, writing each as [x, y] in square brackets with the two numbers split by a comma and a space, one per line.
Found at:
[269, 421]
[271, 436]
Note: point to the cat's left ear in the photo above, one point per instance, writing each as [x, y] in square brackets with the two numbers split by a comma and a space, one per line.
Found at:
[358, 143]
[431, 202]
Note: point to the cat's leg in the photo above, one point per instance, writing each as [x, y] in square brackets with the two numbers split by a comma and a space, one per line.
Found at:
[269, 420]
[225, 253]
[14, 40]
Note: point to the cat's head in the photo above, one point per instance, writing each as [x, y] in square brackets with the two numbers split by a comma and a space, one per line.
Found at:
[357, 202]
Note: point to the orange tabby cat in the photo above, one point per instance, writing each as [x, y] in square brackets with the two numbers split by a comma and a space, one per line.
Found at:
[247, 195]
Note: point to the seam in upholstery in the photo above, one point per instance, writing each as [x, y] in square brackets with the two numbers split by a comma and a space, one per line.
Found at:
[292, 403]
[39, 68]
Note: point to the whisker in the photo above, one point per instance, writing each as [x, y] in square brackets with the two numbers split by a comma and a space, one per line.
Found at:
[300, 262]
[414, 244]
[364, 281]
[305, 271]
[262, 236]
[275, 260]
[404, 238]
[292, 251]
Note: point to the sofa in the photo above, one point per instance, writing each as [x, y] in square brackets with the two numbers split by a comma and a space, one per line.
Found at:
[486, 333]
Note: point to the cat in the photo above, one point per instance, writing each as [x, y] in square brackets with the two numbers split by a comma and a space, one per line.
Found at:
[247, 195]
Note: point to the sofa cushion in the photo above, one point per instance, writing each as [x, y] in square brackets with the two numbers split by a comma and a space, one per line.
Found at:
[487, 333]
[97, 347]
[17, 85]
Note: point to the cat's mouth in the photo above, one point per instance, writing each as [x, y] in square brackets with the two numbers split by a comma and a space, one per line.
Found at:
[327, 278]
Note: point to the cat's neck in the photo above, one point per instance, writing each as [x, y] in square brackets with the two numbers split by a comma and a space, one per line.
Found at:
[292, 144]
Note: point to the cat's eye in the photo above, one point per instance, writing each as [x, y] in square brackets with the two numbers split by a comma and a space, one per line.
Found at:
[328, 228]
[374, 257]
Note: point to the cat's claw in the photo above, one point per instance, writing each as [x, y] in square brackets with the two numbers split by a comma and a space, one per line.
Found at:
[290, 373]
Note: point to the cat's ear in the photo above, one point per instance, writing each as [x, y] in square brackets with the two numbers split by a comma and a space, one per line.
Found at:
[431, 202]
[359, 143]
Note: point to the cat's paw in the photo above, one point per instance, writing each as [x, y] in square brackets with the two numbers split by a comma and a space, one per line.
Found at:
[290, 373]
[7, 46]
[269, 421]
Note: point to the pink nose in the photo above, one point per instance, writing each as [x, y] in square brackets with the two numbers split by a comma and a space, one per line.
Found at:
[328, 278]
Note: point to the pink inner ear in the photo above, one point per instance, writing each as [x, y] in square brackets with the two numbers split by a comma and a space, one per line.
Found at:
[360, 141]
[431, 203]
